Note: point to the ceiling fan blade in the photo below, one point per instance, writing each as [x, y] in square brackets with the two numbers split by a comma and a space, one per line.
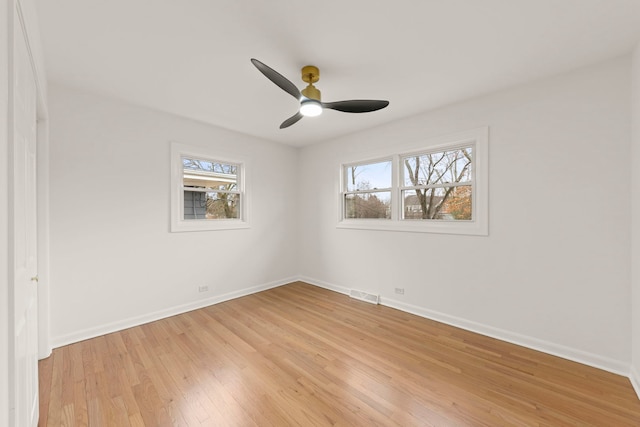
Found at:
[277, 78]
[356, 105]
[291, 120]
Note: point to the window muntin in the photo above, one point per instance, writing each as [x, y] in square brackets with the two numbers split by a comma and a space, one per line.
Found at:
[438, 185]
[211, 189]
[367, 190]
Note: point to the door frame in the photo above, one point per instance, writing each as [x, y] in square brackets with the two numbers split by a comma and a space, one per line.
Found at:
[23, 13]
[26, 15]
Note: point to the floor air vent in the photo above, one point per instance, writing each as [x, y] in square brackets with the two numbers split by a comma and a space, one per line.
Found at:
[364, 296]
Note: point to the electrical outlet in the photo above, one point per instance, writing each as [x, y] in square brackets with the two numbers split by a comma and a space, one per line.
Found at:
[400, 291]
[203, 288]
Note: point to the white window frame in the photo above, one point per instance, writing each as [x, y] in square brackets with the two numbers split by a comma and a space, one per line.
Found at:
[372, 191]
[478, 225]
[178, 223]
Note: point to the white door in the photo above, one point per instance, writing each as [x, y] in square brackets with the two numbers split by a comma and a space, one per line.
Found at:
[25, 290]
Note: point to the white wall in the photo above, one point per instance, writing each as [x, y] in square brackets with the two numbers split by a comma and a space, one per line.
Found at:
[114, 262]
[635, 224]
[554, 271]
[4, 214]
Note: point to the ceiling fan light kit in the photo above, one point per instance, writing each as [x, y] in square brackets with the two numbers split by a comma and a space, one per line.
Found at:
[310, 99]
[310, 108]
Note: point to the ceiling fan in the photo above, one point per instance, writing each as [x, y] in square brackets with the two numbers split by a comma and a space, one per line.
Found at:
[311, 104]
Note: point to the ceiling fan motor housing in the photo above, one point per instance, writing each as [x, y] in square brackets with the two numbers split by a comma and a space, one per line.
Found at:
[311, 74]
[311, 92]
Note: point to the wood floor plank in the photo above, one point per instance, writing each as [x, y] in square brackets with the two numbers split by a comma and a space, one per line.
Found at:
[148, 365]
[45, 374]
[80, 403]
[54, 416]
[302, 355]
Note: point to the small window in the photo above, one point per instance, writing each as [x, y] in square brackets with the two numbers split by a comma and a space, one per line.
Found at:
[367, 190]
[211, 189]
[208, 193]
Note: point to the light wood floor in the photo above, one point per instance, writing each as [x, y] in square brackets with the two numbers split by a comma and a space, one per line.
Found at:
[301, 355]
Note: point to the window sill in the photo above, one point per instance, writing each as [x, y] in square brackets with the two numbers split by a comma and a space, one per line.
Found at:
[208, 225]
[471, 228]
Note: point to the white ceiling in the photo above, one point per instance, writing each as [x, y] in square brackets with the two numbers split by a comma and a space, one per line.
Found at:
[191, 58]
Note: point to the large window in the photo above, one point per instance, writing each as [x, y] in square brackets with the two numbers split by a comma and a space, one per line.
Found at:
[441, 188]
[208, 193]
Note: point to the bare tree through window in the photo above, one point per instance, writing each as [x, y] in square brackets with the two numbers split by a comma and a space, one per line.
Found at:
[439, 185]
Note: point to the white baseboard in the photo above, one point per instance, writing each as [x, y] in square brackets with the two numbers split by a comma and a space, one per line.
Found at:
[635, 380]
[84, 334]
[586, 358]
[325, 285]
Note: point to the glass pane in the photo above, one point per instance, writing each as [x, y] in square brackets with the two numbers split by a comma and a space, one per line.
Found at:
[208, 174]
[368, 176]
[444, 203]
[368, 205]
[438, 168]
[212, 205]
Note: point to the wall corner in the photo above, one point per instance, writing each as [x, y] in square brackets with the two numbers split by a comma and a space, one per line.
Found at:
[635, 219]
